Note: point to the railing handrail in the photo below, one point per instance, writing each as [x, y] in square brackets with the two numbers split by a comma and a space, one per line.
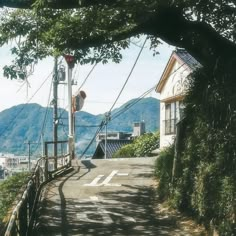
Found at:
[16, 210]
[21, 226]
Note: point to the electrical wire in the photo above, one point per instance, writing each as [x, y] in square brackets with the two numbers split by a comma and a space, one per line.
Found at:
[131, 71]
[115, 115]
[92, 140]
[45, 118]
[88, 76]
[46, 113]
[128, 106]
[23, 107]
[104, 122]
[83, 126]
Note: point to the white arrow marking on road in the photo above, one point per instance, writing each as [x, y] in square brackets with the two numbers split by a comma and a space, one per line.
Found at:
[107, 180]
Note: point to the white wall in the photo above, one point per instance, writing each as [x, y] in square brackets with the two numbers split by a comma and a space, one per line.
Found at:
[175, 85]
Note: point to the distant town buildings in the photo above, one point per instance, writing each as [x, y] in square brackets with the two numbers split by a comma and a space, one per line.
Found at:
[10, 164]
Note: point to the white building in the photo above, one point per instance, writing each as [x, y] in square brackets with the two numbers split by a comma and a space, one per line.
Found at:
[138, 128]
[172, 88]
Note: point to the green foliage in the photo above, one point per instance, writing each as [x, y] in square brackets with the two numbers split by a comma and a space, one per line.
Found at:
[145, 144]
[206, 183]
[213, 184]
[141, 147]
[126, 151]
[163, 171]
[9, 189]
[98, 31]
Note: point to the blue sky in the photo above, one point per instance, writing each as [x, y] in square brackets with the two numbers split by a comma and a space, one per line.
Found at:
[102, 86]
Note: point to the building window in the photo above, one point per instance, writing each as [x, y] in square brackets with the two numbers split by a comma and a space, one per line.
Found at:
[170, 118]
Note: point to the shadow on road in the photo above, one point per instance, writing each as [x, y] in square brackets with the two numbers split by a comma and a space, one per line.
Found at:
[128, 210]
[88, 164]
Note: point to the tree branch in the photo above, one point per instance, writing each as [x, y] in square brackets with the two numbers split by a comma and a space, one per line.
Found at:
[55, 4]
[198, 38]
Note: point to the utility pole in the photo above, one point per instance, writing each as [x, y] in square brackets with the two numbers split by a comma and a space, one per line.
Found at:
[107, 118]
[29, 153]
[55, 115]
[70, 61]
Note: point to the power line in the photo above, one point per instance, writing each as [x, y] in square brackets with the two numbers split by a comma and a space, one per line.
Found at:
[92, 140]
[131, 71]
[125, 109]
[82, 126]
[104, 122]
[143, 95]
[115, 115]
[88, 76]
[45, 118]
[23, 107]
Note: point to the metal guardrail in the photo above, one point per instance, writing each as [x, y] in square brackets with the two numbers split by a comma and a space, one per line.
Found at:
[22, 217]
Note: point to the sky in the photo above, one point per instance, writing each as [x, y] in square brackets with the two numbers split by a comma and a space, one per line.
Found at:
[102, 86]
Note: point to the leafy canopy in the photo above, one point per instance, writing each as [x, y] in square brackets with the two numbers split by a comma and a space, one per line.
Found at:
[98, 30]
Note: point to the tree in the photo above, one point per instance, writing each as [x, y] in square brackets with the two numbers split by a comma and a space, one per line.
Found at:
[97, 30]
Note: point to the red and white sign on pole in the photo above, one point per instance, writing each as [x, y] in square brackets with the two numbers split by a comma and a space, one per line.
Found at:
[70, 60]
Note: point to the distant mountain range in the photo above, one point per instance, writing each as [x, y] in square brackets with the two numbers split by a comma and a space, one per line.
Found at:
[28, 122]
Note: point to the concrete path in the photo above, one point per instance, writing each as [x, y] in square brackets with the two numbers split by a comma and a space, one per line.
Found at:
[104, 197]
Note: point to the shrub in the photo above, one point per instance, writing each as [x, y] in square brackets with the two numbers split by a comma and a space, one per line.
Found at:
[9, 189]
[163, 171]
[206, 180]
[125, 151]
[142, 146]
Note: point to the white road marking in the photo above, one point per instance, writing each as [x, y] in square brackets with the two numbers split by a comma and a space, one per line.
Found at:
[105, 182]
[95, 181]
[122, 174]
[108, 179]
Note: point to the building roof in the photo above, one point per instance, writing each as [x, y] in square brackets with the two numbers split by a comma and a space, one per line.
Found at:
[184, 58]
[112, 146]
[192, 63]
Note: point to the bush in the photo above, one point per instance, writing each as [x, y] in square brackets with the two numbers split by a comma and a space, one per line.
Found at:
[125, 151]
[9, 189]
[206, 182]
[163, 172]
[142, 146]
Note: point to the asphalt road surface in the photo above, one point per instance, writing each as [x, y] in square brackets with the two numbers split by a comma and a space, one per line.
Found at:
[102, 197]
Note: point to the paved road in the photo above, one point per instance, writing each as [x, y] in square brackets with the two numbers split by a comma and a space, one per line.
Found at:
[102, 197]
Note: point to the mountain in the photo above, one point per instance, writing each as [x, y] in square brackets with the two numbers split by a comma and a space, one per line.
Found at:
[27, 122]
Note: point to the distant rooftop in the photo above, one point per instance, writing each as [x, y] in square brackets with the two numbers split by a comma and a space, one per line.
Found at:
[112, 146]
